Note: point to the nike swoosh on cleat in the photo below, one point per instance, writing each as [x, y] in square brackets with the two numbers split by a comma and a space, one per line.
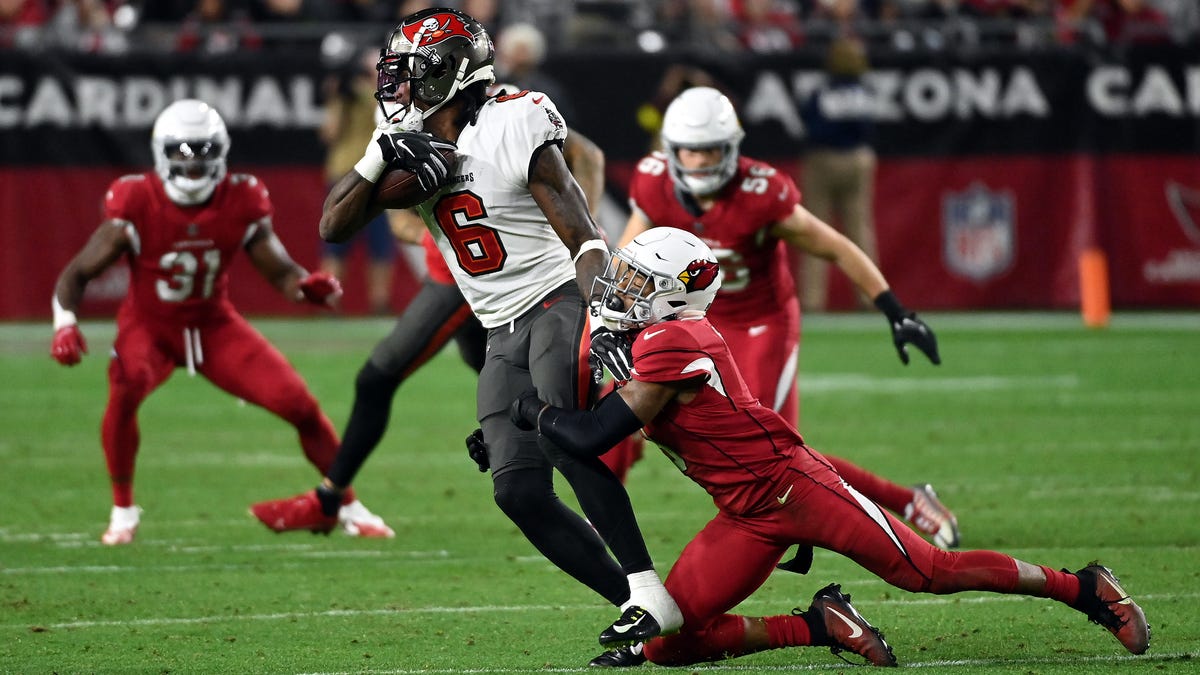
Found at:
[855, 629]
[623, 629]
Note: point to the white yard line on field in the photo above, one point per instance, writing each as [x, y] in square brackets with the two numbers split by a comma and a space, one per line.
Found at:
[499, 609]
[732, 667]
[853, 382]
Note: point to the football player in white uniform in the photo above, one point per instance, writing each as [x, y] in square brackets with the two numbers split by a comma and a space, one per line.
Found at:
[514, 227]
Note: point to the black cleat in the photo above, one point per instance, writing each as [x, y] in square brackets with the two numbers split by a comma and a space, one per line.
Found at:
[846, 629]
[621, 657]
[635, 625]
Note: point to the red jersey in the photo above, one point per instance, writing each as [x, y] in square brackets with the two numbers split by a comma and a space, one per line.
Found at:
[757, 279]
[724, 439]
[181, 254]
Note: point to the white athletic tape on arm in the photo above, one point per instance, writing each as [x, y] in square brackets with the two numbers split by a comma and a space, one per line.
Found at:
[372, 165]
[590, 245]
[62, 317]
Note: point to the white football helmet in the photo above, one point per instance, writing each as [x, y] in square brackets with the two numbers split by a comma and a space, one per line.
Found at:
[701, 118]
[189, 144]
[664, 273]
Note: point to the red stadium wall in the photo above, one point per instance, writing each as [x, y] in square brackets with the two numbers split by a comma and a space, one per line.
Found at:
[1143, 211]
[996, 169]
[1044, 211]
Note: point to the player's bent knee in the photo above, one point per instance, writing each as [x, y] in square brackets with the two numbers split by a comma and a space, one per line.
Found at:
[372, 381]
[522, 495]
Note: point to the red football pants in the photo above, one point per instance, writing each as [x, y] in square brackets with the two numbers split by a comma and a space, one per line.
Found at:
[733, 555]
[229, 353]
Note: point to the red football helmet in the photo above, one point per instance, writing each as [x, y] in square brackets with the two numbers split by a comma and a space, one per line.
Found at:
[438, 52]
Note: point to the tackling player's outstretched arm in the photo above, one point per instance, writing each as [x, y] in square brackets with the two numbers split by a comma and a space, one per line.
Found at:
[565, 207]
[270, 257]
[593, 432]
[106, 244]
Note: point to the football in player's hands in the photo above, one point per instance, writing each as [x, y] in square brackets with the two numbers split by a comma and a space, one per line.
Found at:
[68, 346]
[321, 288]
[413, 178]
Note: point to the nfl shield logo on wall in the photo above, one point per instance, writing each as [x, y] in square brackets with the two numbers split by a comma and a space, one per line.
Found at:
[978, 232]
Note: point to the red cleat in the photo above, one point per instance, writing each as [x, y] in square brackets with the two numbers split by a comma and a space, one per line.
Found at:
[846, 629]
[1106, 603]
[302, 512]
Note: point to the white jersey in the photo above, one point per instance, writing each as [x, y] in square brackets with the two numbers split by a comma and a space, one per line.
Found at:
[495, 238]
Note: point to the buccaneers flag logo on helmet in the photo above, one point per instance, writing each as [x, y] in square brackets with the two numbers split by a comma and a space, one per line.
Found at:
[436, 28]
[699, 275]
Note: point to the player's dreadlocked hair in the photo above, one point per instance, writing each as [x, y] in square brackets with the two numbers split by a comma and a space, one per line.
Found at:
[474, 96]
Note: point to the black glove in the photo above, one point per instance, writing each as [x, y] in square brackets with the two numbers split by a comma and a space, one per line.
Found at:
[907, 328]
[525, 410]
[614, 351]
[420, 153]
[477, 450]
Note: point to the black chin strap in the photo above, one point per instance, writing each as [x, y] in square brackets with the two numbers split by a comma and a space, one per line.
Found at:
[688, 201]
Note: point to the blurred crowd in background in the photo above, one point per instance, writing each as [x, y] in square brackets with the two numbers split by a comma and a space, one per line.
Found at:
[764, 26]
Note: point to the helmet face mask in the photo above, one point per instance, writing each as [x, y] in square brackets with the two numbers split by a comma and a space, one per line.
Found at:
[437, 53]
[189, 144]
[663, 274]
[702, 118]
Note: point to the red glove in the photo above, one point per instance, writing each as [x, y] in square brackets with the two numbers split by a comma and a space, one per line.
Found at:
[68, 346]
[321, 288]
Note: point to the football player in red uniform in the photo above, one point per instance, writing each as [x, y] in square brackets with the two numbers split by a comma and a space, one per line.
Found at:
[771, 489]
[179, 228]
[749, 213]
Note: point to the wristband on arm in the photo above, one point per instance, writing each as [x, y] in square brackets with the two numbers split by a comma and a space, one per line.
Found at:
[887, 303]
[62, 317]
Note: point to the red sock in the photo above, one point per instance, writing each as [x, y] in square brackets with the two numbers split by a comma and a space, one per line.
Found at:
[1061, 586]
[119, 437]
[122, 492]
[787, 631]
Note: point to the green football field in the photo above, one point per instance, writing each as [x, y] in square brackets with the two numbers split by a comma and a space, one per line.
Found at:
[1051, 442]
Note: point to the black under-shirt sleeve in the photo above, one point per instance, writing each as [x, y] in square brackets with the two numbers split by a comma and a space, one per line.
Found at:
[590, 433]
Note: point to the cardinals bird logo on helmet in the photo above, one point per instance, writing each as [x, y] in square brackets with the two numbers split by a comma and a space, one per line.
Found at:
[699, 275]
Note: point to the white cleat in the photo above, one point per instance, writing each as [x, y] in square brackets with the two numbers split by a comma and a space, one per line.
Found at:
[357, 521]
[930, 516]
[122, 525]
